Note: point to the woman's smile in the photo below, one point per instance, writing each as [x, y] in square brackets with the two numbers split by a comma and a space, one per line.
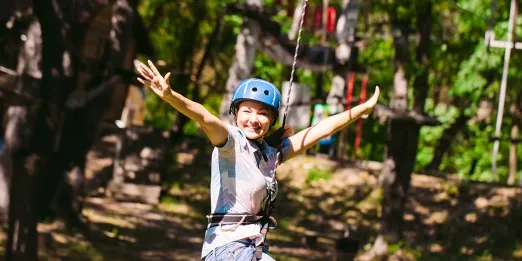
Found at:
[254, 118]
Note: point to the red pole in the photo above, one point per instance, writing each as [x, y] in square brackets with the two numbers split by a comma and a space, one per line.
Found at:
[359, 122]
[349, 93]
[318, 18]
[348, 102]
[331, 19]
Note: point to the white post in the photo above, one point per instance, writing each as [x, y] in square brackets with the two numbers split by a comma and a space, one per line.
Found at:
[502, 97]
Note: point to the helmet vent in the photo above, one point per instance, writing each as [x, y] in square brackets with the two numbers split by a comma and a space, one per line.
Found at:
[254, 89]
[267, 92]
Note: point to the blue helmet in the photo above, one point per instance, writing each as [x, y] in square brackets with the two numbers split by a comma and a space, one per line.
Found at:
[257, 90]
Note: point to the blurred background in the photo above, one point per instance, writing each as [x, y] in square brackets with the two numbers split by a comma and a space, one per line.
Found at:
[93, 166]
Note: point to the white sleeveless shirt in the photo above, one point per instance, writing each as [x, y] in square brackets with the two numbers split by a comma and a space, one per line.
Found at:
[239, 181]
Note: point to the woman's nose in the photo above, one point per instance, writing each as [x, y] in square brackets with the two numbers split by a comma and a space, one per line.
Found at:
[253, 117]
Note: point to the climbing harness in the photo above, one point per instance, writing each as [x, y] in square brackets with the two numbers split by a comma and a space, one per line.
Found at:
[265, 216]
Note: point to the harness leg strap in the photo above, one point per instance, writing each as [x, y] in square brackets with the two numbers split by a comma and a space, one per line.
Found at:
[258, 254]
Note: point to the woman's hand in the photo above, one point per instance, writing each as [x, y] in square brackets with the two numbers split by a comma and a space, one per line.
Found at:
[371, 103]
[152, 78]
[289, 131]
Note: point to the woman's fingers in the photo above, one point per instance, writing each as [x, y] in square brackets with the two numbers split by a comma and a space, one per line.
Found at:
[146, 83]
[371, 103]
[156, 72]
[373, 100]
[288, 131]
[150, 77]
[144, 74]
[146, 71]
[376, 93]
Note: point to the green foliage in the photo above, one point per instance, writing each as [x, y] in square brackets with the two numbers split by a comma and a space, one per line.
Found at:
[463, 72]
[430, 136]
[393, 248]
[158, 114]
[170, 200]
[318, 174]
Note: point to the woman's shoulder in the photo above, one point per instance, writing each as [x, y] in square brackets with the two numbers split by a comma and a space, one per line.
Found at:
[235, 131]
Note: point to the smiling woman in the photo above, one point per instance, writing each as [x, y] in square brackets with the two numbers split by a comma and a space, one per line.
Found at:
[254, 119]
[243, 182]
[255, 104]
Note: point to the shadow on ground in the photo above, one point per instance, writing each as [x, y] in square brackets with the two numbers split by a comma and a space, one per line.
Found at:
[446, 219]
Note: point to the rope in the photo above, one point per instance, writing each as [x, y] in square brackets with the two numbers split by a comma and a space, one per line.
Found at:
[305, 2]
[233, 228]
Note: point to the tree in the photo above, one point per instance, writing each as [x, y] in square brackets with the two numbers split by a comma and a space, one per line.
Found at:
[24, 161]
[243, 59]
[403, 135]
[50, 139]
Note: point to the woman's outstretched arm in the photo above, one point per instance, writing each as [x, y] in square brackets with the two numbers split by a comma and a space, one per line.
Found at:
[214, 128]
[308, 137]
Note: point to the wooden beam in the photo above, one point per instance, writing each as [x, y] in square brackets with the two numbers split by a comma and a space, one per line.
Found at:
[281, 49]
[10, 95]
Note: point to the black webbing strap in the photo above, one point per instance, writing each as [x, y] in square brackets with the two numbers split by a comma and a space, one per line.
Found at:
[217, 219]
[267, 223]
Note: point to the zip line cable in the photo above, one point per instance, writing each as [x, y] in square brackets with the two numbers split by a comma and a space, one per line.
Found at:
[305, 2]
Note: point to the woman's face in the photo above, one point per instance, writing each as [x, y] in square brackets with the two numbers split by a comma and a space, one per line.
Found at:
[254, 119]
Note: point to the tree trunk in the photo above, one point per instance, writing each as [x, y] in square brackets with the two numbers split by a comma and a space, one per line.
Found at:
[21, 242]
[403, 136]
[513, 157]
[58, 72]
[298, 12]
[395, 176]
[63, 135]
[5, 181]
[66, 171]
[242, 62]
[516, 115]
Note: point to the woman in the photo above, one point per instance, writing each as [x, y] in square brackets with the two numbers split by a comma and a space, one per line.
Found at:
[243, 183]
